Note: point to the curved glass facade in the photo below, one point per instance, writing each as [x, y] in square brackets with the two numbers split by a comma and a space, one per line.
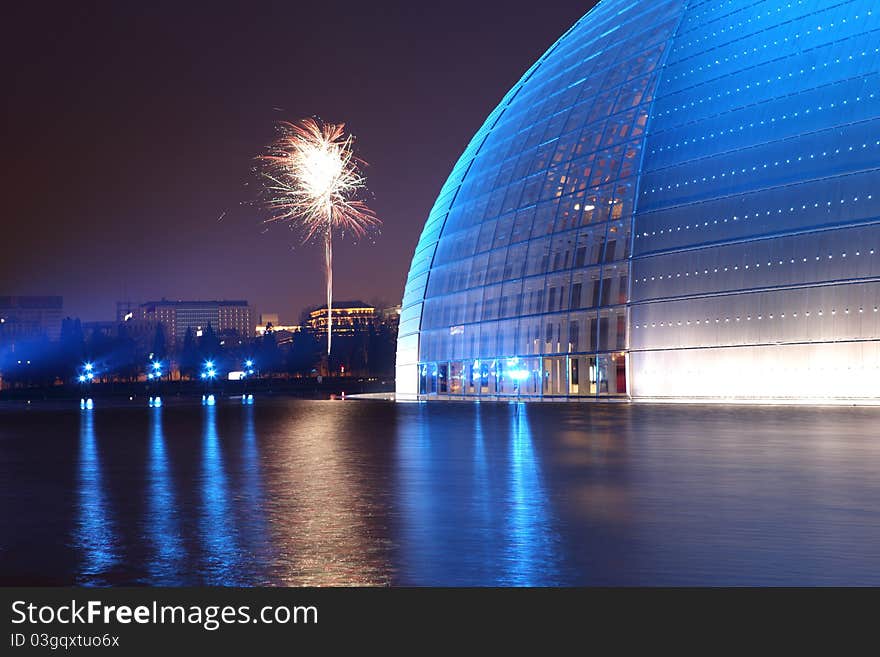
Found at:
[676, 200]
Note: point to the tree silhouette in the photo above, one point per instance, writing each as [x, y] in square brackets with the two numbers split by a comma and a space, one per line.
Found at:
[159, 350]
[209, 345]
[189, 354]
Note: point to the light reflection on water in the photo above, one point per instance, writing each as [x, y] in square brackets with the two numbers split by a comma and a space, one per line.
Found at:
[323, 500]
[291, 492]
[94, 535]
[220, 556]
[162, 524]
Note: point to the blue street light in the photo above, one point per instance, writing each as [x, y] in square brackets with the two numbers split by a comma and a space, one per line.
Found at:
[248, 363]
[209, 372]
[82, 378]
[89, 367]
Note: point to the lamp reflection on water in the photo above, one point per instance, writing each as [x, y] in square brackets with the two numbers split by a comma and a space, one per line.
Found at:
[95, 532]
[250, 506]
[162, 526]
[221, 558]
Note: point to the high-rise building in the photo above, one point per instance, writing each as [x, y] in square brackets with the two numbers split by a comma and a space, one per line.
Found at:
[224, 317]
[677, 200]
[25, 317]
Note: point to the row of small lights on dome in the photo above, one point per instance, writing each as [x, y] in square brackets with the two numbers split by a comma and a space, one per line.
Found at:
[756, 215]
[742, 127]
[755, 50]
[779, 78]
[701, 28]
[737, 267]
[734, 172]
[748, 318]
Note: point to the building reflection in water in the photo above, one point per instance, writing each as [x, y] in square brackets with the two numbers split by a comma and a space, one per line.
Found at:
[531, 548]
[95, 533]
[474, 507]
[221, 558]
[167, 561]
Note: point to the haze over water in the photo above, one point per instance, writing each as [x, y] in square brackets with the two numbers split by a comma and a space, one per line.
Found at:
[295, 492]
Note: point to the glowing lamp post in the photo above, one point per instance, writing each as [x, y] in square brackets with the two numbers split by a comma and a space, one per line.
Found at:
[209, 373]
[84, 378]
[154, 375]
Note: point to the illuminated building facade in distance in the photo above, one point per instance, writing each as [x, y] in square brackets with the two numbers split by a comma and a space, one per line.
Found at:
[225, 317]
[347, 317]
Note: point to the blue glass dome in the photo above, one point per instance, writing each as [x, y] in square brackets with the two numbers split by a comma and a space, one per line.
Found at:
[675, 201]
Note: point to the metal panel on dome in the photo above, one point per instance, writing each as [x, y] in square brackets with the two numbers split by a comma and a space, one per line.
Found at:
[757, 247]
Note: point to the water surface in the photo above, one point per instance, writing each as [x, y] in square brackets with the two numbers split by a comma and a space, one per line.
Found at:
[295, 492]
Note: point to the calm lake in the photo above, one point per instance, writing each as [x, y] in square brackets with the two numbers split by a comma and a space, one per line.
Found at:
[296, 492]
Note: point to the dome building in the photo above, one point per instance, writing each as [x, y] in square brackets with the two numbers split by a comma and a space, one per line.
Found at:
[678, 200]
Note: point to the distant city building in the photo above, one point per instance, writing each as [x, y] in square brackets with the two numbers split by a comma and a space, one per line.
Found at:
[269, 318]
[126, 311]
[272, 320]
[390, 316]
[141, 331]
[225, 317]
[277, 328]
[347, 316]
[108, 328]
[23, 317]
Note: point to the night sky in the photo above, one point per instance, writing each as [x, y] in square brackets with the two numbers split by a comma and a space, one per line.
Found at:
[131, 128]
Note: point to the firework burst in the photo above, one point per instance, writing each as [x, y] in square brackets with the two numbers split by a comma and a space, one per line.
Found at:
[312, 180]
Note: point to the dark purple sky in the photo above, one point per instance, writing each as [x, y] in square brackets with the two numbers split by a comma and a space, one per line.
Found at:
[130, 127]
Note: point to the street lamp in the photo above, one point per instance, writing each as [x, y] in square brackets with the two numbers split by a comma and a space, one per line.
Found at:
[209, 373]
[85, 377]
[154, 373]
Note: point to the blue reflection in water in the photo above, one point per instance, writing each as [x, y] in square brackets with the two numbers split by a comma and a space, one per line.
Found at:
[532, 551]
[482, 500]
[218, 534]
[423, 551]
[168, 558]
[95, 534]
[250, 493]
[475, 511]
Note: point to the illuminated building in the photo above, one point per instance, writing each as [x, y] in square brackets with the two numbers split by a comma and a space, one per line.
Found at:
[347, 317]
[225, 317]
[271, 320]
[26, 317]
[676, 201]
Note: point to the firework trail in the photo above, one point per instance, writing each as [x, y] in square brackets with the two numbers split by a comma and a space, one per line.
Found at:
[312, 179]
